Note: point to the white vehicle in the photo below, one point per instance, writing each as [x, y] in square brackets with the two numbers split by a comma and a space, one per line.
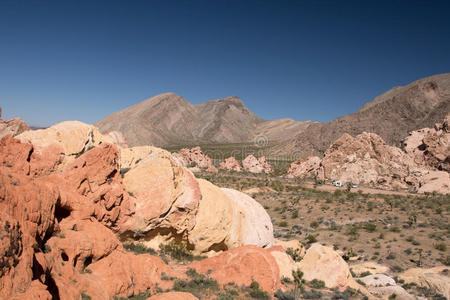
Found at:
[337, 183]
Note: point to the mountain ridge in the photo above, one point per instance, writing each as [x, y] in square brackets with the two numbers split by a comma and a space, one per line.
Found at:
[168, 119]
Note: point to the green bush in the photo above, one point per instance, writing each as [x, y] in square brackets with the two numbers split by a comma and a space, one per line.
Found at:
[316, 284]
[256, 292]
[139, 249]
[441, 247]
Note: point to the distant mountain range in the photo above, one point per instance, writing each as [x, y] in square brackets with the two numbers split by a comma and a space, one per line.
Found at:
[168, 120]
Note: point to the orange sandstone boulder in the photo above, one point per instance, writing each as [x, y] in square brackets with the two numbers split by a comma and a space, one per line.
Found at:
[242, 265]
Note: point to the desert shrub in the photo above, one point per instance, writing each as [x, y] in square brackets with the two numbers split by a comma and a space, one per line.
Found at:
[312, 294]
[288, 295]
[139, 249]
[364, 274]
[283, 224]
[370, 227]
[316, 284]
[197, 283]
[441, 247]
[295, 254]
[140, 296]
[84, 296]
[256, 292]
[311, 239]
[314, 224]
[124, 171]
[178, 251]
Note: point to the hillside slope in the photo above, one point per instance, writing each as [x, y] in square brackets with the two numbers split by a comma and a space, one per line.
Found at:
[391, 115]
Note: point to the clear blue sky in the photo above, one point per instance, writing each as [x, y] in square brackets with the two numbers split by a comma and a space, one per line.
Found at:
[65, 60]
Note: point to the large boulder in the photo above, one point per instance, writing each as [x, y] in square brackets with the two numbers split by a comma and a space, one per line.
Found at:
[251, 224]
[436, 279]
[194, 157]
[167, 195]
[129, 157]
[383, 286]
[241, 266]
[254, 165]
[213, 233]
[172, 204]
[323, 263]
[230, 164]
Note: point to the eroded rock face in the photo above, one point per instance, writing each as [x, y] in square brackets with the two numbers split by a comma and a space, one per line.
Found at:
[241, 266]
[366, 158]
[12, 127]
[194, 157]
[305, 168]
[430, 147]
[73, 138]
[230, 164]
[51, 231]
[167, 194]
[253, 165]
[172, 204]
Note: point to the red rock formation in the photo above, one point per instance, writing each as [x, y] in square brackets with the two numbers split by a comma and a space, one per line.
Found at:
[253, 165]
[194, 157]
[230, 164]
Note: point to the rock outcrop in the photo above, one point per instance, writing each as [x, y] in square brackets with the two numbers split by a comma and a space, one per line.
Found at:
[230, 164]
[256, 165]
[383, 286]
[367, 159]
[194, 158]
[172, 204]
[430, 147]
[12, 127]
[242, 265]
[72, 137]
[436, 279]
[304, 168]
